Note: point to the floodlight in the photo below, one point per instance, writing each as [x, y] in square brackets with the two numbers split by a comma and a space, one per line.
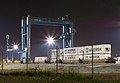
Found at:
[50, 40]
[15, 46]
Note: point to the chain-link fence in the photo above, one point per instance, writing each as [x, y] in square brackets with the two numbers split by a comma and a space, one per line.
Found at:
[62, 68]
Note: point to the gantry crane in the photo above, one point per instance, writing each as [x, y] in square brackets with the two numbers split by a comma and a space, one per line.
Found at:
[65, 24]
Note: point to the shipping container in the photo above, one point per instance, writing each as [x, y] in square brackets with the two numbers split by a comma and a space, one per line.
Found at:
[83, 53]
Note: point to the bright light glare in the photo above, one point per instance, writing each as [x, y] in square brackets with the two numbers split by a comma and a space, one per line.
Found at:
[50, 40]
[25, 49]
[15, 46]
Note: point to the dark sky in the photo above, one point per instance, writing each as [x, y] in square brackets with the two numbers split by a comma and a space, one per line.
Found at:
[94, 20]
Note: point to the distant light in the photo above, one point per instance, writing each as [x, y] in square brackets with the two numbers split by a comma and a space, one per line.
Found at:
[25, 49]
[15, 46]
[50, 40]
[22, 23]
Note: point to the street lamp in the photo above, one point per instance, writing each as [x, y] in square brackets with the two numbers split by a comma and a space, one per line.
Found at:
[50, 40]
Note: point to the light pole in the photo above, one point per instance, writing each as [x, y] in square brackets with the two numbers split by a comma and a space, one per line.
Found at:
[7, 43]
[15, 47]
[50, 40]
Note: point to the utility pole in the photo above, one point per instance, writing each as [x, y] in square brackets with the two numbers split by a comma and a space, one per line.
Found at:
[83, 55]
[2, 61]
[27, 61]
[2, 57]
[92, 60]
[56, 59]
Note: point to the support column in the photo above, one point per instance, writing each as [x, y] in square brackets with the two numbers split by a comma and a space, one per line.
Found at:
[71, 35]
[28, 36]
[23, 39]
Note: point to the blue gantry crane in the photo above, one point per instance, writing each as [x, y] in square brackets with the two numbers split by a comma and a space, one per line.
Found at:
[66, 36]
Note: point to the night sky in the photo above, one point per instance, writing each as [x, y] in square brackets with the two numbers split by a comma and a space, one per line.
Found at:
[95, 21]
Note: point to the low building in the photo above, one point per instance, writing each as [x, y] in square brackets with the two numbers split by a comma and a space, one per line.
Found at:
[55, 54]
[40, 59]
[74, 54]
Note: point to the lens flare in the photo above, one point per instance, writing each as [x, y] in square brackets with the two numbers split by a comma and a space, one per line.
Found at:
[50, 40]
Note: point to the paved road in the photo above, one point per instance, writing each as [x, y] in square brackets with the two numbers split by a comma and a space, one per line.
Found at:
[79, 68]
